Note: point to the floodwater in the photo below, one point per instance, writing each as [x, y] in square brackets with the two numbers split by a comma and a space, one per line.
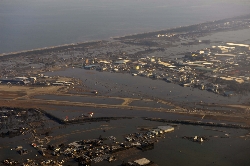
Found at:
[103, 100]
[74, 112]
[239, 36]
[125, 85]
[34, 24]
[171, 150]
[84, 99]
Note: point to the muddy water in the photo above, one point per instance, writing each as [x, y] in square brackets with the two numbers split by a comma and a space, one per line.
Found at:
[103, 100]
[172, 149]
[154, 104]
[239, 36]
[125, 85]
[74, 112]
[217, 151]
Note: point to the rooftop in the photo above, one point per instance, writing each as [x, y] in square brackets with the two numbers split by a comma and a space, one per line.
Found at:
[142, 161]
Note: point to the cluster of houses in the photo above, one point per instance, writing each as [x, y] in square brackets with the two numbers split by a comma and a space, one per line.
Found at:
[200, 68]
[18, 80]
[40, 80]
[90, 151]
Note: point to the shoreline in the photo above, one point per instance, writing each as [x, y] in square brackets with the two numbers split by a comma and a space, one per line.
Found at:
[136, 35]
[197, 29]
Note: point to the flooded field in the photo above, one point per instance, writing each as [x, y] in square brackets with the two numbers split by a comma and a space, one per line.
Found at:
[73, 112]
[171, 149]
[153, 104]
[85, 99]
[125, 85]
[117, 103]
[241, 36]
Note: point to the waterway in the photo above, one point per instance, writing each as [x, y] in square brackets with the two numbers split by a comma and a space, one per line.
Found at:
[171, 150]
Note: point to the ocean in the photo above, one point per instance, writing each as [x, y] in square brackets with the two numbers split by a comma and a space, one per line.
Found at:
[29, 24]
